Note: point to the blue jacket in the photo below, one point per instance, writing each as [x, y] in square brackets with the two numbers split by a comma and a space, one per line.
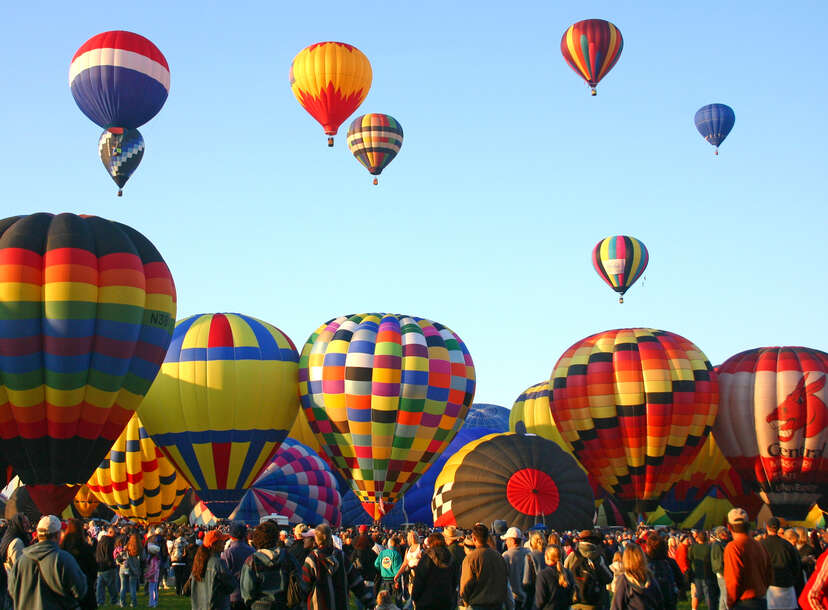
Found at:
[234, 556]
[46, 577]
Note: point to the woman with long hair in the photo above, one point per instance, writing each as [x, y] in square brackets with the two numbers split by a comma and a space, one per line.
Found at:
[665, 570]
[555, 584]
[74, 543]
[532, 566]
[210, 581]
[637, 590]
[435, 579]
[129, 568]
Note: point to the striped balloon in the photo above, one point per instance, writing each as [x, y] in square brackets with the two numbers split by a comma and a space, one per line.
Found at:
[85, 502]
[384, 394]
[375, 139]
[86, 314]
[296, 484]
[119, 79]
[224, 401]
[636, 405]
[591, 48]
[620, 260]
[136, 480]
[201, 516]
[531, 415]
[121, 151]
[714, 123]
[330, 80]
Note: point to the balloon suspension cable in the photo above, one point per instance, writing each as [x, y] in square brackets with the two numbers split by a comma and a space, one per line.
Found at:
[376, 181]
[330, 141]
[620, 299]
[593, 92]
[120, 193]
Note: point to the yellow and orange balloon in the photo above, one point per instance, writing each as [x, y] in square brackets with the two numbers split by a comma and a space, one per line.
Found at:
[330, 80]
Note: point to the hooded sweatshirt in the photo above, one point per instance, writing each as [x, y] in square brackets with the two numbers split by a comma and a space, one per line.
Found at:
[630, 594]
[46, 577]
[264, 578]
[327, 577]
[435, 580]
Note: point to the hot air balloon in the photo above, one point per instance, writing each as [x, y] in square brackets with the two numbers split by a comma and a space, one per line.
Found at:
[531, 414]
[119, 79]
[375, 139]
[121, 152]
[223, 403]
[136, 480]
[591, 48]
[296, 484]
[771, 424]
[522, 479]
[201, 516]
[330, 80]
[86, 315]
[384, 394]
[85, 502]
[714, 122]
[620, 260]
[636, 405]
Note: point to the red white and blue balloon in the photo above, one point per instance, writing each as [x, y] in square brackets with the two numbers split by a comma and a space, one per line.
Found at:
[119, 79]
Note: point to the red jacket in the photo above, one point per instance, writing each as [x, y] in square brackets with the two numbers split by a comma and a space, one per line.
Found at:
[815, 594]
[747, 569]
[681, 557]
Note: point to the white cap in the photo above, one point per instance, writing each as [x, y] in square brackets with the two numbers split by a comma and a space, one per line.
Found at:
[48, 524]
[512, 532]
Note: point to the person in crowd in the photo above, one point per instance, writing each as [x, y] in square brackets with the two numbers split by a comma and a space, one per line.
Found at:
[363, 556]
[682, 557]
[717, 547]
[701, 572]
[786, 576]
[302, 543]
[454, 543]
[74, 543]
[327, 577]
[499, 527]
[129, 560]
[586, 562]
[389, 562]
[747, 568]
[234, 555]
[178, 559]
[554, 584]
[815, 594]
[617, 569]
[638, 589]
[211, 583]
[46, 577]
[484, 578]
[152, 573]
[266, 574]
[15, 539]
[533, 563]
[107, 570]
[665, 570]
[435, 580]
[385, 601]
[158, 537]
[807, 552]
[411, 557]
[515, 558]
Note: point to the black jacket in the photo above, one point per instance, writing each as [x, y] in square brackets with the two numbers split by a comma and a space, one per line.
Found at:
[103, 553]
[435, 580]
[549, 594]
[632, 596]
[785, 561]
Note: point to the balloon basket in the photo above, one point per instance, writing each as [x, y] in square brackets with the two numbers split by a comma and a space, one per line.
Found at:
[376, 181]
[120, 193]
[330, 142]
[716, 152]
[593, 92]
[621, 300]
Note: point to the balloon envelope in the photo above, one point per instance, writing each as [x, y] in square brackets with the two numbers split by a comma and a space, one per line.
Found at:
[121, 151]
[772, 424]
[119, 79]
[375, 139]
[223, 403]
[620, 260]
[591, 48]
[86, 315]
[714, 122]
[384, 394]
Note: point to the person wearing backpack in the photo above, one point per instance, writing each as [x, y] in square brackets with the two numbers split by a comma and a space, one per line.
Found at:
[665, 570]
[554, 586]
[265, 575]
[638, 589]
[586, 562]
[178, 559]
[327, 576]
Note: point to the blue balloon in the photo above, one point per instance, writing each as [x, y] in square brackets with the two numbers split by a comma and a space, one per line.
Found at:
[714, 122]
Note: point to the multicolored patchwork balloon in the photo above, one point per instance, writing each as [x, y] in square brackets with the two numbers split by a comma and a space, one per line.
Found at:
[523, 479]
[87, 308]
[136, 480]
[375, 139]
[772, 424]
[384, 394]
[296, 484]
[330, 80]
[119, 79]
[714, 123]
[636, 405]
[121, 151]
[224, 401]
[620, 260]
[591, 48]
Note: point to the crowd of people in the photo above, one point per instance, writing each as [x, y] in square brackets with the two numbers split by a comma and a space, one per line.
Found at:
[76, 564]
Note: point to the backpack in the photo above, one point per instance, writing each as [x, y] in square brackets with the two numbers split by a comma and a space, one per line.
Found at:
[663, 574]
[295, 593]
[179, 551]
[589, 589]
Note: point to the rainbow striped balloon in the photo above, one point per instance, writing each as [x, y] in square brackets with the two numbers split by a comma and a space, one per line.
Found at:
[592, 47]
[86, 314]
[136, 480]
[620, 260]
[375, 139]
[224, 401]
[119, 79]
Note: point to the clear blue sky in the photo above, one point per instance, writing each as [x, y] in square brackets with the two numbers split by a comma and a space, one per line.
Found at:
[509, 174]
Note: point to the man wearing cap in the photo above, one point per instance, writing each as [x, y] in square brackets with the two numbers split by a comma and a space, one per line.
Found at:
[46, 576]
[454, 543]
[234, 555]
[590, 570]
[515, 558]
[717, 547]
[302, 543]
[747, 569]
[484, 578]
[786, 569]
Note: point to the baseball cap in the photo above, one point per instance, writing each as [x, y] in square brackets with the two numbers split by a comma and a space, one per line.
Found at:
[512, 532]
[213, 536]
[308, 533]
[48, 524]
[736, 516]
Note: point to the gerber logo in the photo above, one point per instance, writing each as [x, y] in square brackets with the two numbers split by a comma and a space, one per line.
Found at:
[793, 413]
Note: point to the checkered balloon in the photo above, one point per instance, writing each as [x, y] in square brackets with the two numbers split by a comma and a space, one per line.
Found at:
[121, 152]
